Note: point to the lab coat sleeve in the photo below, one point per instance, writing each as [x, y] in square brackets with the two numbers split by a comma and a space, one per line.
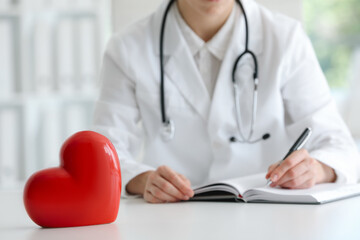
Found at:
[117, 114]
[308, 103]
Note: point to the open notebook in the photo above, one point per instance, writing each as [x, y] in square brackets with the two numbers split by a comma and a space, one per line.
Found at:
[253, 189]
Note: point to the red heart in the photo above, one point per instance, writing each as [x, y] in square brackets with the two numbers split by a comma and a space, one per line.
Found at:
[84, 190]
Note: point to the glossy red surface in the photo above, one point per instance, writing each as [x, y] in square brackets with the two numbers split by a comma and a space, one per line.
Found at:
[84, 190]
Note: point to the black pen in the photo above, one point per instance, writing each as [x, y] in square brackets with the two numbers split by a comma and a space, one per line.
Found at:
[297, 145]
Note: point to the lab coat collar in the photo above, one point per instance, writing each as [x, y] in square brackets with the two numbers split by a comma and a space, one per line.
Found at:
[218, 45]
[194, 42]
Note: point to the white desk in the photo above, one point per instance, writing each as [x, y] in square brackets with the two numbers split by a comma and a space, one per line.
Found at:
[196, 220]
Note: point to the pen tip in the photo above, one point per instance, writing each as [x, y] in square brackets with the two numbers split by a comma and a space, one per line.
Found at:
[269, 182]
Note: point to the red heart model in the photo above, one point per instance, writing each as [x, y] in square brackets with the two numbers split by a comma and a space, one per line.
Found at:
[84, 190]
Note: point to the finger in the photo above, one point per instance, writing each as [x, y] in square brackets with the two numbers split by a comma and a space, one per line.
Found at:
[299, 181]
[308, 184]
[161, 195]
[271, 169]
[294, 172]
[151, 199]
[174, 179]
[168, 188]
[185, 179]
[288, 163]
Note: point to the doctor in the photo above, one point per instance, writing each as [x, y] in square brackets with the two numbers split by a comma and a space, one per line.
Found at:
[213, 89]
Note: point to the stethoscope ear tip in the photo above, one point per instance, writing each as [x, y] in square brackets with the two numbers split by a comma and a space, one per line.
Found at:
[266, 136]
[232, 139]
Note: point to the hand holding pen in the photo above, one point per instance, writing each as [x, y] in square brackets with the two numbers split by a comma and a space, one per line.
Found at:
[298, 169]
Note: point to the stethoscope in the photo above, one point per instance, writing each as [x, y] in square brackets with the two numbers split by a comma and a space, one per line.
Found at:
[168, 131]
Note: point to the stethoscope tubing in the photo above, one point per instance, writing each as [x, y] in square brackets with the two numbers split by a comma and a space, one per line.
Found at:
[164, 119]
[168, 125]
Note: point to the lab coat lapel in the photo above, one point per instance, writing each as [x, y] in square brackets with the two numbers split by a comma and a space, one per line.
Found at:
[180, 67]
[222, 110]
[182, 71]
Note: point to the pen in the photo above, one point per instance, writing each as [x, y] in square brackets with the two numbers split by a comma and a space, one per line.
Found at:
[297, 145]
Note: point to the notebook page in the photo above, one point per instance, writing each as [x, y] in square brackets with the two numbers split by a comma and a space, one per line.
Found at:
[234, 185]
[338, 192]
[244, 183]
[317, 194]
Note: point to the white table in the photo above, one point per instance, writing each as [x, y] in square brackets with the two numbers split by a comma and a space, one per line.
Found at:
[196, 220]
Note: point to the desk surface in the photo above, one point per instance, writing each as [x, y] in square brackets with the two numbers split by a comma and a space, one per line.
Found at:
[196, 220]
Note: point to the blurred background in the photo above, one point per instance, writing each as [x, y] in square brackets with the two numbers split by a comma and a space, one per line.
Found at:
[51, 51]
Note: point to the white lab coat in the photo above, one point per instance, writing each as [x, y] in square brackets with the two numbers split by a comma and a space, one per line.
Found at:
[293, 94]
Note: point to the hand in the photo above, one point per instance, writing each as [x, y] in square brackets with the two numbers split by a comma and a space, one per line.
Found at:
[162, 185]
[300, 170]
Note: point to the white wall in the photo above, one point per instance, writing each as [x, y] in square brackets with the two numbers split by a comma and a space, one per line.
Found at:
[126, 12]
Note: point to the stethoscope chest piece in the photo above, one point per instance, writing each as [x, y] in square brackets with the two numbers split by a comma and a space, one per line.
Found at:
[168, 131]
